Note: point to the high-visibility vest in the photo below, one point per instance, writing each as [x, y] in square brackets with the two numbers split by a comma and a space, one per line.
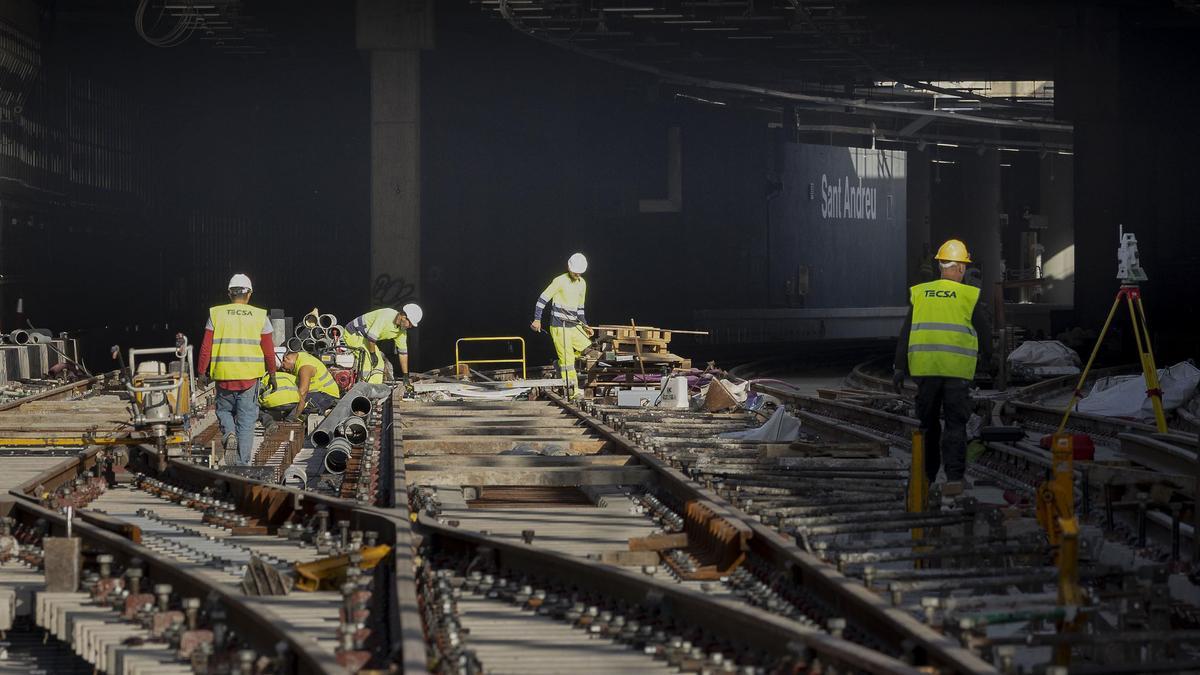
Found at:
[321, 380]
[567, 296]
[377, 326]
[942, 341]
[237, 342]
[285, 394]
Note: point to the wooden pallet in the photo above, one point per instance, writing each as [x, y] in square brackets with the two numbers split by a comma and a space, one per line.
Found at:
[644, 333]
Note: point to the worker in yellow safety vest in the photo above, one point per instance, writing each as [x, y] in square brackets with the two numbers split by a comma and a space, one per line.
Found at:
[236, 351]
[367, 331]
[945, 334]
[275, 405]
[315, 389]
[568, 323]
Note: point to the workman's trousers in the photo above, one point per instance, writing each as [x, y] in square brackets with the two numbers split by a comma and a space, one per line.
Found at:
[367, 373]
[237, 411]
[949, 399]
[317, 402]
[569, 343]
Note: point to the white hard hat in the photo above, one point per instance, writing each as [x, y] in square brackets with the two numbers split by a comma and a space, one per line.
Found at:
[240, 281]
[414, 313]
[577, 263]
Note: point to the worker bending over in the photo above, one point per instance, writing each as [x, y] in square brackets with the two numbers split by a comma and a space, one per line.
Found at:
[236, 351]
[366, 331]
[939, 346]
[276, 405]
[315, 389]
[568, 324]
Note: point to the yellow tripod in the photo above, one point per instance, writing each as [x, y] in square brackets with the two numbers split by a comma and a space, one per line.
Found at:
[1132, 295]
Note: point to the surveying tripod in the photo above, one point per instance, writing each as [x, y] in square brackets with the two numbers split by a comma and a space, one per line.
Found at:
[1129, 271]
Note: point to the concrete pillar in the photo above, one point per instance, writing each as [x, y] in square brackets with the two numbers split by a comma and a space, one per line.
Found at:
[917, 206]
[980, 227]
[1058, 239]
[393, 32]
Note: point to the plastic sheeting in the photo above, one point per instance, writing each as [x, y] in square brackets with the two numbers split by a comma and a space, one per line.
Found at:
[1044, 358]
[1125, 396]
[781, 428]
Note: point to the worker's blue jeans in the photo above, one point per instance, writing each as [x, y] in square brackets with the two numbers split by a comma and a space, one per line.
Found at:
[237, 411]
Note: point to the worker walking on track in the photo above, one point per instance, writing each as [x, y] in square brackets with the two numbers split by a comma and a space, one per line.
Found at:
[365, 332]
[945, 334]
[315, 389]
[568, 323]
[236, 351]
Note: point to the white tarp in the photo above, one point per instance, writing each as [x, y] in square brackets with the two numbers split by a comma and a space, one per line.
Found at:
[1125, 396]
[781, 428]
[1043, 358]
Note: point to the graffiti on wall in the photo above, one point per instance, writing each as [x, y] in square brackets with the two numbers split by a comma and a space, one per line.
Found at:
[389, 291]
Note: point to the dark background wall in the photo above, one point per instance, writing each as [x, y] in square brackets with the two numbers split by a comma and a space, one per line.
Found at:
[531, 153]
[137, 179]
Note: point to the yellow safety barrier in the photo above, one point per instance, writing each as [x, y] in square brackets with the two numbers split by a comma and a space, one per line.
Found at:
[458, 361]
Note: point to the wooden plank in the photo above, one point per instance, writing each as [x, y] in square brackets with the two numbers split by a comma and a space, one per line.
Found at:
[555, 475]
[562, 421]
[484, 445]
[518, 460]
[659, 542]
[470, 431]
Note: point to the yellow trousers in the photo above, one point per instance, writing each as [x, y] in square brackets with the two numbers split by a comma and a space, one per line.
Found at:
[366, 373]
[569, 343]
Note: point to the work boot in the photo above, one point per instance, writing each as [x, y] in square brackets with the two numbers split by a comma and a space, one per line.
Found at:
[954, 488]
[270, 428]
[229, 442]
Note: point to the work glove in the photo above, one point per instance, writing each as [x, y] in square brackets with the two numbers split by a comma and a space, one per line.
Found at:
[898, 380]
[374, 359]
[294, 414]
[272, 385]
[202, 381]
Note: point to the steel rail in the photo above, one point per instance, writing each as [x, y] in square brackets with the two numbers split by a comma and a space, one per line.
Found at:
[862, 608]
[728, 619]
[250, 624]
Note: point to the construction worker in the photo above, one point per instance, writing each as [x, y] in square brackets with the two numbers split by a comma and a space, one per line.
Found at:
[568, 324]
[275, 405]
[315, 389]
[939, 346]
[365, 332]
[236, 351]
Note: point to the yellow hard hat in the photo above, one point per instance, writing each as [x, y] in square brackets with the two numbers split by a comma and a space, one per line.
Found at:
[953, 251]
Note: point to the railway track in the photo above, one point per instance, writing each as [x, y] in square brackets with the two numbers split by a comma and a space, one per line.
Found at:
[183, 568]
[537, 536]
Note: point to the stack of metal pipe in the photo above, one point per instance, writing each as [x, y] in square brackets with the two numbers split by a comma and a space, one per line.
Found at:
[316, 334]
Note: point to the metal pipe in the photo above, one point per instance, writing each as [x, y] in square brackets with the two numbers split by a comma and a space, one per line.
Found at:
[327, 321]
[38, 338]
[337, 456]
[303, 332]
[354, 429]
[19, 336]
[324, 344]
[295, 344]
[295, 477]
[317, 333]
[310, 319]
[357, 401]
[308, 345]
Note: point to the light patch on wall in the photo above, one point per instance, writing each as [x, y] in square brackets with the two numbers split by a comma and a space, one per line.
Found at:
[1061, 265]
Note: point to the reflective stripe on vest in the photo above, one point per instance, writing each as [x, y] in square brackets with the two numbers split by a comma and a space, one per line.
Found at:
[321, 380]
[942, 342]
[237, 338]
[286, 394]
